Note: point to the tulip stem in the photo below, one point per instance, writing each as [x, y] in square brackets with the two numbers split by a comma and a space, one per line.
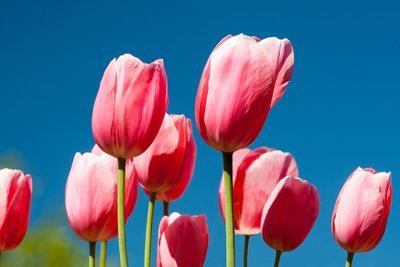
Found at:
[121, 216]
[149, 228]
[230, 234]
[166, 208]
[349, 260]
[92, 253]
[246, 249]
[103, 254]
[0, 258]
[277, 258]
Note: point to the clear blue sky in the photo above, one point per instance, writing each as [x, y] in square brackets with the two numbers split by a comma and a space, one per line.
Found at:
[340, 111]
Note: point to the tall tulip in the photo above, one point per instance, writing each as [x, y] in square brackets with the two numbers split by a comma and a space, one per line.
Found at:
[127, 115]
[15, 202]
[255, 174]
[182, 241]
[243, 78]
[91, 197]
[361, 211]
[130, 106]
[289, 214]
[165, 168]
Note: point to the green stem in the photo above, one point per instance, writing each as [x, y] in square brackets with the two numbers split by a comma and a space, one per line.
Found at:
[92, 253]
[166, 208]
[349, 260]
[277, 258]
[103, 254]
[121, 216]
[230, 233]
[149, 228]
[246, 249]
[0, 258]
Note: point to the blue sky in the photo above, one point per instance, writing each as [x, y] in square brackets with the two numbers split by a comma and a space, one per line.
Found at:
[340, 111]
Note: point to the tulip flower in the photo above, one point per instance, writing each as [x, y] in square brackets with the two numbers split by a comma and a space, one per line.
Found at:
[255, 174]
[185, 170]
[242, 79]
[361, 211]
[182, 241]
[91, 196]
[166, 167]
[15, 202]
[129, 106]
[127, 115]
[289, 214]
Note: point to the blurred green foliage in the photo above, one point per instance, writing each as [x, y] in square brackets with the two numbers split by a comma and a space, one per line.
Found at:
[47, 245]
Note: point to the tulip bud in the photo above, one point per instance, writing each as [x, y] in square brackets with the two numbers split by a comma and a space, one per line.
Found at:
[289, 214]
[182, 241]
[15, 202]
[186, 168]
[243, 78]
[362, 209]
[255, 174]
[130, 106]
[91, 195]
[168, 163]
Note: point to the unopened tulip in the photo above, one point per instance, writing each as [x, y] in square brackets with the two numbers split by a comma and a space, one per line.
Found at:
[182, 241]
[186, 168]
[91, 195]
[243, 78]
[15, 202]
[362, 209]
[254, 177]
[289, 214]
[169, 161]
[130, 106]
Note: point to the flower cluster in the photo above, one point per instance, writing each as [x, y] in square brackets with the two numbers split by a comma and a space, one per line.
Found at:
[138, 143]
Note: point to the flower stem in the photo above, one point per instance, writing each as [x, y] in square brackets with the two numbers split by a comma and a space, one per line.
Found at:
[349, 260]
[0, 258]
[92, 253]
[121, 216]
[230, 234]
[103, 254]
[149, 228]
[246, 249]
[277, 258]
[166, 208]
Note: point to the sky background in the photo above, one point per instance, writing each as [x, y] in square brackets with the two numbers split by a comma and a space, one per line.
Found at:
[340, 111]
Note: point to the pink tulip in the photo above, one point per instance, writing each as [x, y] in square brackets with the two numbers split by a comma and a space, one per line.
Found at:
[168, 163]
[243, 78]
[254, 177]
[289, 214]
[186, 168]
[362, 209]
[129, 106]
[91, 195]
[15, 202]
[182, 241]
